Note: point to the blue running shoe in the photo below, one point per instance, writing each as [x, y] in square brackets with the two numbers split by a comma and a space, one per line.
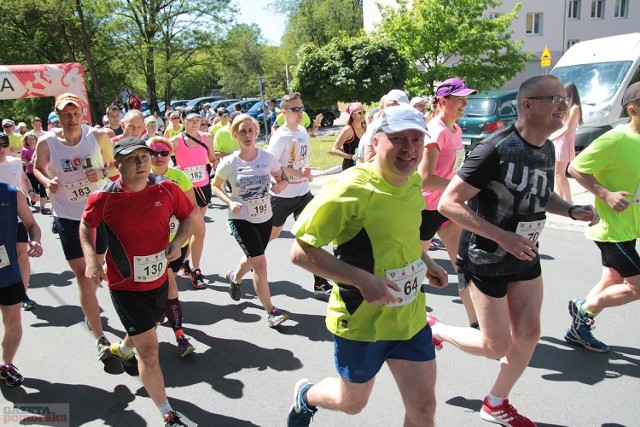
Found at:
[300, 413]
[579, 333]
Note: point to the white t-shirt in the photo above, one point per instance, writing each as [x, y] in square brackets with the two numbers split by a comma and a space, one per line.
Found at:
[11, 171]
[291, 148]
[68, 163]
[250, 183]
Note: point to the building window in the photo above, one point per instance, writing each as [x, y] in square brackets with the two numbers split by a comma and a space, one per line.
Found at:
[597, 9]
[534, 23]
[622, 9]
[572, 42]
[574, 9]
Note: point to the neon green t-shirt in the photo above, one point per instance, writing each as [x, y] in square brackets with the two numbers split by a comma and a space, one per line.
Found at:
[374, 226]
[223, 142]
[15, 141]
[305, 123]
[215, 128]
[614, 160]
[183, 181]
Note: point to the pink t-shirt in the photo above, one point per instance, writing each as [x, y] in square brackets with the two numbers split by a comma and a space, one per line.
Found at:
[450, 158]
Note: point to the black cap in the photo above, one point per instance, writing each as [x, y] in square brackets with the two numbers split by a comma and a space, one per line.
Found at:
[128, 145]
[632, 94]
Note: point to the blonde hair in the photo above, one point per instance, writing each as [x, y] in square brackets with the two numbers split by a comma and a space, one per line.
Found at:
[243, 118]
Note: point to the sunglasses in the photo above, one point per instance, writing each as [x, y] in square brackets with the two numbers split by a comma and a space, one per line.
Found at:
[163, 153]
[175, 118]
[7, 126]
[554, 99]
[4, 145]
[296, 109]
[361, 113]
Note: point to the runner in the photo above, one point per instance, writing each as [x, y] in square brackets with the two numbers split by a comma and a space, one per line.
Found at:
[137, 258]
[11, 172]
[508, 179]
[443, 156]
[248, 172]
[160, 152]
[376, 310]
[194, 155]
[70, 163]
[12, 291]
[290, 145]
[608, 168]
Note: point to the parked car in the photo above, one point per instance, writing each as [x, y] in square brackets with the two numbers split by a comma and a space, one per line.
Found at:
[222, 103]
[195, 105]
[487, 112]
[163, 109]
[245, 103]
[329, 114]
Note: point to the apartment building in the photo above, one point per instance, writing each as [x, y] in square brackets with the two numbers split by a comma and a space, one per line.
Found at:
[554, 23]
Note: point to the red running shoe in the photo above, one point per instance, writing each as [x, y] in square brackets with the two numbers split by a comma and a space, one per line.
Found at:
[432, 320]
[505, 415]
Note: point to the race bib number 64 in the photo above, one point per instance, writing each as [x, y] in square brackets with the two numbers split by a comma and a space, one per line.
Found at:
[409, 280]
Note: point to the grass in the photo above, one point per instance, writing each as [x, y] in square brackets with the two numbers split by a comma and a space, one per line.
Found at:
[321, 157]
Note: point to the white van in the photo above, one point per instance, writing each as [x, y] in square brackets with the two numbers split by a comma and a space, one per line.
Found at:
[601, 69]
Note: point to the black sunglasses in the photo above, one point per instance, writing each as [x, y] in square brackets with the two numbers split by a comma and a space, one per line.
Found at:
[4, 144]
[296, 109]
[163, 153]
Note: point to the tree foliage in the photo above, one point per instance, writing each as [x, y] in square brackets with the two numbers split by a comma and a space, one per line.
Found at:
[240, 58]
[359, 68]
[318, 22]
[453, 37]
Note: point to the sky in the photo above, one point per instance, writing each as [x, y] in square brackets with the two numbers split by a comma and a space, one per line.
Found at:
[257, 11]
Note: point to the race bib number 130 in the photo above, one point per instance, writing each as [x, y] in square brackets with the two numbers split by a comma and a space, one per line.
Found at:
[148, 268]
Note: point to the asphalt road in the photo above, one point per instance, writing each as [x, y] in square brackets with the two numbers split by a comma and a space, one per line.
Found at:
[243, 372]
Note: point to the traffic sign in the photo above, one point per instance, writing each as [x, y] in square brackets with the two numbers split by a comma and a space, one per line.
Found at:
[545, 58]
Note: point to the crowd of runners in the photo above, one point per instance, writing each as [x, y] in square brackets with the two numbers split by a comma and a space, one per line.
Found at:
[365, 236]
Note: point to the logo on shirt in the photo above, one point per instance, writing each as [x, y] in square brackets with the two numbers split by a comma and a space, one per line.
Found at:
[75, 163]
[157, 204]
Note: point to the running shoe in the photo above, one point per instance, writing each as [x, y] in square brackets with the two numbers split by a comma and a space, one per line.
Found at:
[28, 304]
[104, 348]
[172, 419]
[321, 286]
[505, 415]
[197, 279]
[432, 320]
[436, 244]
[45, 211]
[185, 269]
[54, 228]
[234, 287]
[129, 363]
[579, 333]
[10, 374]
[301, 413]
[275, 319]
[184, 346]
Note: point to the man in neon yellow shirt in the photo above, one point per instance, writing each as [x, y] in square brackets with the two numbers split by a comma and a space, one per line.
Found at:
[15, 139]
[376, 310]
[223, 142]
[609, 169]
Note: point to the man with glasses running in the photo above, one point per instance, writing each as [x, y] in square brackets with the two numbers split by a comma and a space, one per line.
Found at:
[508, 181]
[290, 145]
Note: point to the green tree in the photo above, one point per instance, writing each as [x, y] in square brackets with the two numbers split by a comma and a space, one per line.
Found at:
[49, 31]
[170, 34]
[318, 22]
[360, 69]
[239, 60]
[440, 34]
